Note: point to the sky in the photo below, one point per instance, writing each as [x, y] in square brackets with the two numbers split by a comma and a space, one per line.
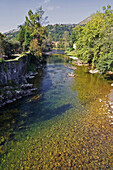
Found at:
[13, 12]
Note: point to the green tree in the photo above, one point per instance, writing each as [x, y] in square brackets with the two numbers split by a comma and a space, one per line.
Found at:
[76, 33]
[27, 40]
[105, 63]
[96, 38]
[2, 52]
[57, 31]
[34, 47]
[2, 36]
[6, 48]
[66, 40]
[34, 33]
[38, 32]
[21, 36]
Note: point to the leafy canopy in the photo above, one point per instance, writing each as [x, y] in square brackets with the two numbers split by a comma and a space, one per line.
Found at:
[32, 34]
[94, 41]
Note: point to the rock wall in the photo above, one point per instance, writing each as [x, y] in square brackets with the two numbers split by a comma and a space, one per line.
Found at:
[13, 80]
[13, 71]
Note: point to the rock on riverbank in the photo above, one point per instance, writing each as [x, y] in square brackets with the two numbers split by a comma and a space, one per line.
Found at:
[14, 78]
[111, 100]
[11, 94]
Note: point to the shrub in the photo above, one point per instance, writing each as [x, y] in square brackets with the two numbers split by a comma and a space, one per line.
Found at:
[105, 63]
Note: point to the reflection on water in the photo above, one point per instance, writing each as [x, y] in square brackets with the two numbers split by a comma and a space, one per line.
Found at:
[62, 126]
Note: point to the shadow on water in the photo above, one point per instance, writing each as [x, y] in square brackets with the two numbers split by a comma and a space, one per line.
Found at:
[22, 114]
[109, 77]
[47, 114]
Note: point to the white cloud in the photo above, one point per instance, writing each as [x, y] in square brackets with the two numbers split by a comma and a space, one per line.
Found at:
[50, 8]
[46, 1]
[57, 7]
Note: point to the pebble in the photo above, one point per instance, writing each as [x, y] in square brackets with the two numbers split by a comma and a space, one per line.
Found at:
[9, 101]
[111, 117]
[100, 100]
[93, 71]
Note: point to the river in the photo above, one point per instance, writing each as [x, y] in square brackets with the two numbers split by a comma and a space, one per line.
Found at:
[64, 125]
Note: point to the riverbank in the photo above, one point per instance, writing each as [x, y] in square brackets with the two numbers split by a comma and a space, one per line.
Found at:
[110, 102]
[54, 51]
[12, 93]
[77, 61]
[109, 99]
[15, 75]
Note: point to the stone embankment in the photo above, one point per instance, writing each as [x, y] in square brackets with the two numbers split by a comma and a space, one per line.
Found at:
[14, 78]
[13, 71]
[10, 94]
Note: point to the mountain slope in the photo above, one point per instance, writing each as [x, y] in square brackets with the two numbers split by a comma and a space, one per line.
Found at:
[57, 31]
[85, 21]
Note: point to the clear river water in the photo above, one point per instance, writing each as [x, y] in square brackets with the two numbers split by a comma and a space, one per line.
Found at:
[64, 125]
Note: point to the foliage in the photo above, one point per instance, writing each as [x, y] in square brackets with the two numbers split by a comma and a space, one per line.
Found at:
[33, 35]
[58, 35]
[34, 47]
[15, 46]
[2, 60]
[95, 40]
[106, 63]
[27, 40]
[38, 32]
[66, 40]
[11, 35]
[57, 31]
[2, 52]
[21, 36]
[1, 48]
[76, 33]
[47, 45]
[1, 36]
[71, 52]
[7, 48]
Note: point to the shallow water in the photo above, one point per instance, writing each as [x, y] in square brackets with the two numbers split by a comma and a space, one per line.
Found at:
[64, 125]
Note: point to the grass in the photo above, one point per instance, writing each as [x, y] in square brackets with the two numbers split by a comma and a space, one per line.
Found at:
[71, 53]
[17, 58]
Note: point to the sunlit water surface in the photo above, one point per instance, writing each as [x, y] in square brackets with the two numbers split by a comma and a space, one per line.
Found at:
[64, 125]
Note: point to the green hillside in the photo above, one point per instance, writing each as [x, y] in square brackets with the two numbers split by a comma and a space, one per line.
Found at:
[57, 31]
[11, 34]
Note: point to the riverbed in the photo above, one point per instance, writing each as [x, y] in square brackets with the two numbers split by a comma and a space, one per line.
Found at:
[66, 124]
